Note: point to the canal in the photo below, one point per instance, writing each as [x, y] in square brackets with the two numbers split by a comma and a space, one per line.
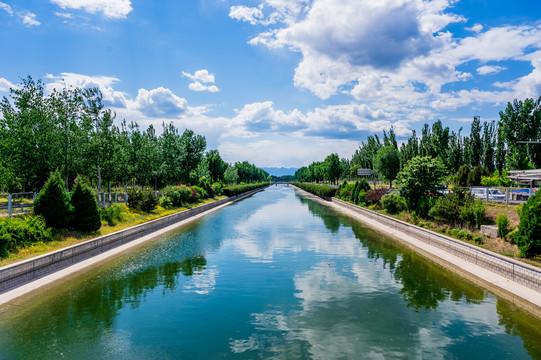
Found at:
[276, 275]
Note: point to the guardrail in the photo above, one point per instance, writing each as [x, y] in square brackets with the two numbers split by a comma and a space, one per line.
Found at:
[15, 275]
[517, 271]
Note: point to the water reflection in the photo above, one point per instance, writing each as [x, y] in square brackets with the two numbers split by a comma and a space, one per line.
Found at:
[278, 276]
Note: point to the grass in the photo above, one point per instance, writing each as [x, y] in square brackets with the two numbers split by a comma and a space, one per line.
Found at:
[65, 238]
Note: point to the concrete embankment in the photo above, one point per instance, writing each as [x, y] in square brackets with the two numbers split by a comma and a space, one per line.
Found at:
[510, 279]
[25, 276]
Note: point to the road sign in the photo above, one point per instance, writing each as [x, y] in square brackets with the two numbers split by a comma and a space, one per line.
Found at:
[364, 172]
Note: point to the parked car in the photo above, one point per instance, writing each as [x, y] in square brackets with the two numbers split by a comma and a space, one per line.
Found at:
[493, 194]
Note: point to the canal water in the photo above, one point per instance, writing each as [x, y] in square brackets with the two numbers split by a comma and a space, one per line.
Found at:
[277, 275]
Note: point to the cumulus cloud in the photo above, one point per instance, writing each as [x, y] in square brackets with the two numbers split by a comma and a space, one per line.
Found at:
[490, 69]
[197, 86]
[5, 85]
[112, 9]
[103, 83]
[395, 55]
[160, 102]
[200, 77]
[29, 19]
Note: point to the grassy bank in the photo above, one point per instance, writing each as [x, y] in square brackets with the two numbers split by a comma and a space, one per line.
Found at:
[65, 237]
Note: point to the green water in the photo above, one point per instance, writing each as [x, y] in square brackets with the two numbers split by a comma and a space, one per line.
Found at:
[273, 276]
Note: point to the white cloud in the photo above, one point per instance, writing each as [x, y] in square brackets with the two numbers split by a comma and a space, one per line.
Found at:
[104, 83]
[64, 15]
[160, 102]
[476, 28]
[29, 19]
[199, 77]
[490, 69]
[197, 86]
[112, 9]
[252, 15]
[5, 85]
[6, 8]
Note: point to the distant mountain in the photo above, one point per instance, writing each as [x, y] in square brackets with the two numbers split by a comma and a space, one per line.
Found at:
[280, 171]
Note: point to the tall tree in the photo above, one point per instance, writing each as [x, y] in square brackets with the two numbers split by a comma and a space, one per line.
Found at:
[387, 163]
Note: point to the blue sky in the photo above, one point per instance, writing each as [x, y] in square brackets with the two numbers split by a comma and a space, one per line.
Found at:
[282, 82]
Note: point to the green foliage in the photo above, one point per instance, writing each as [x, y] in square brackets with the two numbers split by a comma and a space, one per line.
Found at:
[478, 239]
[528, 236]
[86, 215]
[239, 189]
[421, 177]
[476, 174]
[467, 215]
[393, 203]
[113, 214]
[165, 202]
[53, 203]
[149, 202]
[202, 193]
[478, 212]
[448, 208]
[320, 190]
[503, 225]
[142, 201]
[461, 177]
[177, 194]
[332, 168]
[231, 175]
[217, 188]
[19, 232]
[387, 163]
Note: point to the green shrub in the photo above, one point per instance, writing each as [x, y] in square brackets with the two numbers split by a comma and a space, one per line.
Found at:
[320, 190]
[86, 216]
[454, 232]
[149, 202]
[53, 203]
[393, 203]
[201, 193]
[503, 225]
[478, 212]
[467, 214]
[165, 202]
[177, 194]
[113, 214]
[135, 197]
[478, 239]
[19, 232]
[239, 189]
[217, 188]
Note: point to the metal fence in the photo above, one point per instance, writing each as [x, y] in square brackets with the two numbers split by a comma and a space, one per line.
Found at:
[507, 195]
[22, 203]
[519, 272]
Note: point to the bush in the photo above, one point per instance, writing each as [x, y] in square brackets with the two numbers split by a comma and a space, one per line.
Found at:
[53, 203]
[393, 203]
[479, 212]
[467, 215]
[165, 202]
[142, 201]
[374, 196]
[528, 236]
[86, 216]
[239, 189]
[18, 232]
[201, 193]
[448, 208]
[217, 188]
[320, 190]
[503, 225]
[177, 194]
[149, 202]
[454, 232]
[478, 239]
[113, 214]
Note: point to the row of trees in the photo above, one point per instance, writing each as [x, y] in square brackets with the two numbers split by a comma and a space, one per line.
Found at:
[71, 131]
[490, 146]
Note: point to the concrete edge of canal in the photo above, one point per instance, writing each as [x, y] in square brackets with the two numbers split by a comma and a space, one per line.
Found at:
[26, 276]
[501, 284]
